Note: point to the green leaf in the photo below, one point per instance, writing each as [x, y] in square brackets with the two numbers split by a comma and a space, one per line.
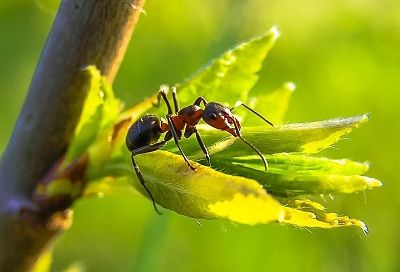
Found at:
[292, 174]
[43, 264]
[232, 75]
[203, 193]
[206, 193]
[100, 112]
[303, 137]
[111, 106]
[89, 123]
[272, 105]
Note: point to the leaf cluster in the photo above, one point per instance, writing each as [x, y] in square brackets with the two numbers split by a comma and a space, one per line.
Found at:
[236, 188]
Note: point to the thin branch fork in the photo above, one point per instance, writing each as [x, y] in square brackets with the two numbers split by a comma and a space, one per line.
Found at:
[90, 32]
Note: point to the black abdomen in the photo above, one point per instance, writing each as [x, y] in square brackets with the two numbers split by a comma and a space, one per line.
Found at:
[143, 132]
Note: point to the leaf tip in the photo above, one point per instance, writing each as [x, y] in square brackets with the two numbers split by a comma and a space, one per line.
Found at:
[365, 117]
[361, 225]
[91, 70]
[274, 31]
[373, 183]
[266, 39]
[364, 228]
[290, 86]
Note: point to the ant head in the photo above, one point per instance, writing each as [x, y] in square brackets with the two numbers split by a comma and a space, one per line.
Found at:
[221, 117]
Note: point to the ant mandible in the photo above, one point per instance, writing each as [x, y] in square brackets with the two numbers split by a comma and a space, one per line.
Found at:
[143, 135]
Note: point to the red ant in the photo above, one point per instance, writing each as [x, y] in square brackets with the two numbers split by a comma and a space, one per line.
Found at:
[143, 135]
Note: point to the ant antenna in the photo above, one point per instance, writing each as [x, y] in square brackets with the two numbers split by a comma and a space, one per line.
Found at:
[257, 151]
[249, 144]
[240, 103]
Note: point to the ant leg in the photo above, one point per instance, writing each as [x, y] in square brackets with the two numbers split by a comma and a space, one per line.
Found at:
[175, 98]
[139, 175]
[189, 131]
[249, 144]
[240, 103]
[199, 100]
[176, 139]
[143, 182]
[203, 148]
[163, 88]
[149, 148]
[163, 94]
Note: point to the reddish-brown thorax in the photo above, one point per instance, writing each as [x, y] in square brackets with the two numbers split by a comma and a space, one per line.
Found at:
[187, 117]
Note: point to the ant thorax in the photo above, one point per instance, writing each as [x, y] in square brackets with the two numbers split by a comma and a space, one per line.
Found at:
[191, 115]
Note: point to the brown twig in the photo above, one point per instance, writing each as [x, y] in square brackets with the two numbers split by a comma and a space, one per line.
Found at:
[91, 32]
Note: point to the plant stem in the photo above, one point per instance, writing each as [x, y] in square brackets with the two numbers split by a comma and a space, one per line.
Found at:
[91, 32]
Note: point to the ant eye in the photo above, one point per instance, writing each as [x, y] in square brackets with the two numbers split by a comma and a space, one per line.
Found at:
[213, 116]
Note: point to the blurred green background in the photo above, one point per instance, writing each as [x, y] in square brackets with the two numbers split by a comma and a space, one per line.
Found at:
[344, 58]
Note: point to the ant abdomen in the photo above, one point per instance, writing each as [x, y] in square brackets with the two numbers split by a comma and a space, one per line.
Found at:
[143, 132]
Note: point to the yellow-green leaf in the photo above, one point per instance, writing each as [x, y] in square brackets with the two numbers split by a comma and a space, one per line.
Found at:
[303, 137]
[306, 213]
[99, 112]
[272, 105]
[232, 75]
[203, 193]
[292, 174]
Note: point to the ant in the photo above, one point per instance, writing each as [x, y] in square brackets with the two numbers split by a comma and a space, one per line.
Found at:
[143, 135]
